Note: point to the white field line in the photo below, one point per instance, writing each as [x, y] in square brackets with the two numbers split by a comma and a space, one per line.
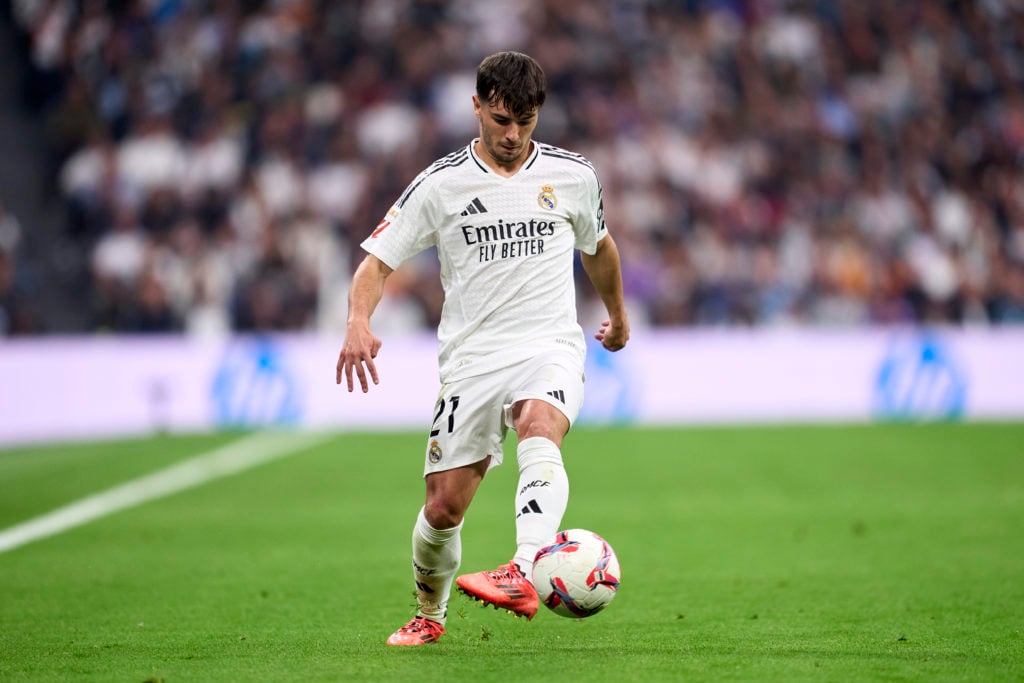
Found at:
[231, 459]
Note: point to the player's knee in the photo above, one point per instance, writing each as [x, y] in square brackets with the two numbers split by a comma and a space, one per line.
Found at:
[552, 429]
[541, 432]
[441, 514]
[534, 418]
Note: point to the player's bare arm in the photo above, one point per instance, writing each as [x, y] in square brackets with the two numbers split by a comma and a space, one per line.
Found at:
[361, 344]
[604, 270]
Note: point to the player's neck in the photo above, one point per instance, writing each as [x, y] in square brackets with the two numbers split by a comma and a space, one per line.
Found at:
[505, 170]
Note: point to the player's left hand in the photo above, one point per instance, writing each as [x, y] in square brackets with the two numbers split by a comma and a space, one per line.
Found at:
[613, 335]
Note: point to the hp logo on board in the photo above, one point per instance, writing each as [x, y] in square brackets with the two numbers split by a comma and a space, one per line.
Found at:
[920, 378]
[254, 386]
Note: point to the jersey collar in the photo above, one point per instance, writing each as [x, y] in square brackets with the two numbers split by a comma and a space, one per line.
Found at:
[534, 154]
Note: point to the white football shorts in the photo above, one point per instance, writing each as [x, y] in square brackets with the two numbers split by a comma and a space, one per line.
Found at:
[473, 415]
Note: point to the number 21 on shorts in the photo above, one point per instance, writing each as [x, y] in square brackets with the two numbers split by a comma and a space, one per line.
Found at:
[444, 407]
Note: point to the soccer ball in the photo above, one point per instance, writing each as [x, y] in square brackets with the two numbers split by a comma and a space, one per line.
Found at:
[577, 575]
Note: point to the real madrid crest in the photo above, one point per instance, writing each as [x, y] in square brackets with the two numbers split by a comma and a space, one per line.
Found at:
[546, 198]
[434, 452]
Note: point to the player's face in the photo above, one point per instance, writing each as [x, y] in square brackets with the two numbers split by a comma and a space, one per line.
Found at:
[504, 138]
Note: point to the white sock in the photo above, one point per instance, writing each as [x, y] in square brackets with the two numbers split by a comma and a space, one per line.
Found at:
[436, 554]
[541, 498]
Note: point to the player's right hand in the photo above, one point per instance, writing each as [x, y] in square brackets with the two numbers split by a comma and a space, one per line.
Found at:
[357, 354]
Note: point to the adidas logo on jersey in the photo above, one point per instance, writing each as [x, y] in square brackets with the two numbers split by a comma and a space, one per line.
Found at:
[475, 206]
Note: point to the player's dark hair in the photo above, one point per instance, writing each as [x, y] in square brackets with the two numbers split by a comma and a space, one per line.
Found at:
[512, 79]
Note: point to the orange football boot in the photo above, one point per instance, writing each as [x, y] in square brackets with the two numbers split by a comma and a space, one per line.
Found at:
[419, 631]
[505, 587]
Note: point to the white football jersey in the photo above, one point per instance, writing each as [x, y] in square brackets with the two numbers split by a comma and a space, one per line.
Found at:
[506, 250]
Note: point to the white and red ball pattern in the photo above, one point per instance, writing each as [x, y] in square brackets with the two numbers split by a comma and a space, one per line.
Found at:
[577, 575]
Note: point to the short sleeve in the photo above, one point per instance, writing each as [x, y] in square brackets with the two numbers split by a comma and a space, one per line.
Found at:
[407, 228]
[589, 225]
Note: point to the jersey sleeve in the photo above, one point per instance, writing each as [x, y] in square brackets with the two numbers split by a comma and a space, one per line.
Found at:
[407, 228]
[589, 225]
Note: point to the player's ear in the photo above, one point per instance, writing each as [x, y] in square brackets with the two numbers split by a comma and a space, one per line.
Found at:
[476, 106]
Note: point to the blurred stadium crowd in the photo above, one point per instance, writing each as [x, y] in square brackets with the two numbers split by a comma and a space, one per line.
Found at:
[764, 161]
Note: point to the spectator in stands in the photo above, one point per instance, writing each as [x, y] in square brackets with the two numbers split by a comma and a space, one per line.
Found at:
[18, 314]
[844, 163]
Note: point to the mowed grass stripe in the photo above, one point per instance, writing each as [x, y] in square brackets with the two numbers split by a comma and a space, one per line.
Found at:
[38, 478]
[225, 461]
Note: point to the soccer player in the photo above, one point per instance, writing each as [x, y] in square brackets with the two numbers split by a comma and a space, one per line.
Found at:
[505, 213]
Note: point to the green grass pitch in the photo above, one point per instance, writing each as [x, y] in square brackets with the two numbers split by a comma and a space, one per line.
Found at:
[888, 552]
